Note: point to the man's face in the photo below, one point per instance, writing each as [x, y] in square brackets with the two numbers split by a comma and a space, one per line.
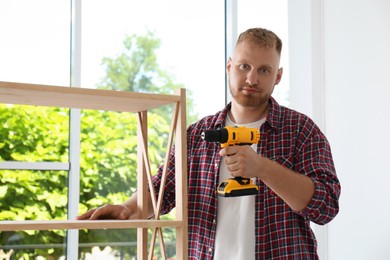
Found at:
[253, 73]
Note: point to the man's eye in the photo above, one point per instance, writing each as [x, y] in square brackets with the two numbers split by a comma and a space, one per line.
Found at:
[243, 66]
[264, 71]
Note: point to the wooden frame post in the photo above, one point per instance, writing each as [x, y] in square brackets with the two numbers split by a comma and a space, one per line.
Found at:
[142, 188]
[181, 180]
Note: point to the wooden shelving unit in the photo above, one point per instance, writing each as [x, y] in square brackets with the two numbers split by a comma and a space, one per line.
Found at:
[140, 103]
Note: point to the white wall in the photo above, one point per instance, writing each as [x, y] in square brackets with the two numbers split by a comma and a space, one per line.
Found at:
[341, 80]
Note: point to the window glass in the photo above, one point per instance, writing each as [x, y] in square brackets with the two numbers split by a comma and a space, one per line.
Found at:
[144, 46]
[35, 42]
[185, 41]
[34, 48]
[33, 195]
[34, 134]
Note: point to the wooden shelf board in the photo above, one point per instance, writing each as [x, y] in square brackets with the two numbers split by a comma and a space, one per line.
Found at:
[83, 98]
[85, 224]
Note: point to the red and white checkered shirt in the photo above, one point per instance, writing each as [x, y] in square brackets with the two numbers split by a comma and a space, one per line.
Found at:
[290, 139]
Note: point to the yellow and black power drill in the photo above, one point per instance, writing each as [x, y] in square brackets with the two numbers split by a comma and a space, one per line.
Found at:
[229, 136]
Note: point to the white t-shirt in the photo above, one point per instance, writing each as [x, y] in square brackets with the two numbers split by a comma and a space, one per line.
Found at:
[235, 236]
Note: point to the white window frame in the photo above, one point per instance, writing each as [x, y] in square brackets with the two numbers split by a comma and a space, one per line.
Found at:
[74, 131]
[307, 85]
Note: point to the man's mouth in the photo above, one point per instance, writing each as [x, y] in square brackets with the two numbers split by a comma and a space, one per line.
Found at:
[250, 90]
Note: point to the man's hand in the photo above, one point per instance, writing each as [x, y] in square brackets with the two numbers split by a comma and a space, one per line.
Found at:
[109, 211]
[242, 161]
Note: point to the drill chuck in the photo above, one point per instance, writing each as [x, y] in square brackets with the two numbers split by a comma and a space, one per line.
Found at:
[218, 135]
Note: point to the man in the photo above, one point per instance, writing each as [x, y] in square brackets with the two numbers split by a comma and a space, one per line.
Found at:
[292, 166]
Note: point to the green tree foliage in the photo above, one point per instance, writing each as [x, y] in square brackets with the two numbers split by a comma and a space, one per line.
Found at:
[109, 165]
[33, 134]
[108, 170]
[108, 162]
[137, 69]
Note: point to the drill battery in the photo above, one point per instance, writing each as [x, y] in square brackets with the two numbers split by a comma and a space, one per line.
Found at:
[238, 186]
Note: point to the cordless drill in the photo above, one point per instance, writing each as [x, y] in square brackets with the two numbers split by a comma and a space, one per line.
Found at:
[229, 136]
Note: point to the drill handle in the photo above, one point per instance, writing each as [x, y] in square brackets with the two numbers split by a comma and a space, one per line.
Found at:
[223, 145]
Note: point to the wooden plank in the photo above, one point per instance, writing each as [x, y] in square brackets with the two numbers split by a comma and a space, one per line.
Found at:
[181, 180]
[142, 185]
[85, 224]
[83, 98]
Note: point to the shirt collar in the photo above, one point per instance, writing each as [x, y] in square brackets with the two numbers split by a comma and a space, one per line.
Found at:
[221, 118]
[273, 117]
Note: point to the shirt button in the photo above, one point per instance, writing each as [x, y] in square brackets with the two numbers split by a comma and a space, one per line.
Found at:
[216, 165]
[210, 250]
[214, 221]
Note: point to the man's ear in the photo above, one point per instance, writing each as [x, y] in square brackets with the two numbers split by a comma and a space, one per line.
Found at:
[228, 65]
[279, 76]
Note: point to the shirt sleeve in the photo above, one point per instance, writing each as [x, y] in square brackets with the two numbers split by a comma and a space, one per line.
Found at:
[168, 201]
[315, 161]
[169, 197]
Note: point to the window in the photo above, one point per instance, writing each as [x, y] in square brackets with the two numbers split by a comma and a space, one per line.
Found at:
[174, 44]
[34, 49]
[183, 36]
[190, 48]
[35, 46]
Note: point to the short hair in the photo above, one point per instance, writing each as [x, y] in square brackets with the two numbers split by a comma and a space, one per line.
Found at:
[262, 37]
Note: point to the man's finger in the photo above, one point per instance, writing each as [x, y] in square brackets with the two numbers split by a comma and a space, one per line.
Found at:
[86, 215]
[101, 213]
[228, 151]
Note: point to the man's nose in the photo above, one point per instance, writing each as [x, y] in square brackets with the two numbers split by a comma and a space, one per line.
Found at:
[251, 78]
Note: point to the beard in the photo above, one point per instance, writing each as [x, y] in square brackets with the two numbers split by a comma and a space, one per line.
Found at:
[246, 100]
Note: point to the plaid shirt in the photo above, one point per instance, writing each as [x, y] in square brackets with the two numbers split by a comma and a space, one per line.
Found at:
[290, 139]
